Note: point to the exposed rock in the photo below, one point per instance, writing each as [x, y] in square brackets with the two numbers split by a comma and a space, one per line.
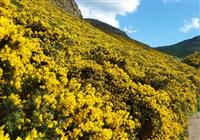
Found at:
[70, 6]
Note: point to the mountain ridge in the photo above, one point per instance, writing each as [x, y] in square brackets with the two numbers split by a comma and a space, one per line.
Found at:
[183, 48]
[106, 27]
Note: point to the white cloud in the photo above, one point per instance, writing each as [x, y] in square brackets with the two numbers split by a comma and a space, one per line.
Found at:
[130, 30]
[193, 24]
[107, 10]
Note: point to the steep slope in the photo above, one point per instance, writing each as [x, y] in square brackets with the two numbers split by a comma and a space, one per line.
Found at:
[61, 78]
[106, 27]
[115, 32]
[183, 48]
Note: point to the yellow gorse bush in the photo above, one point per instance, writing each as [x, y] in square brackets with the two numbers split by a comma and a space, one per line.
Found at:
[3, 136]
[60, 78]
[193, 60]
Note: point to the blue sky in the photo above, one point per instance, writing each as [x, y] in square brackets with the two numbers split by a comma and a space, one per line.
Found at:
[154, 22]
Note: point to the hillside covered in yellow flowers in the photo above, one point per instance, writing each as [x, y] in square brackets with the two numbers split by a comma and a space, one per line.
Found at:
[193, 60]
[61, 78]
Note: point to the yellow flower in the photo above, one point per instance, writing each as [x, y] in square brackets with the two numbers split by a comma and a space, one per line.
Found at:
[15, 99]
[2, 135]
[19, 138]
[1, 72]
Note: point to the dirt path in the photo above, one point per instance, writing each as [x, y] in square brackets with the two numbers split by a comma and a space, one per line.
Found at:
[194, 127]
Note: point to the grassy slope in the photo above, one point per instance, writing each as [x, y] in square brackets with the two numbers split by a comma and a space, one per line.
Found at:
[50, 61]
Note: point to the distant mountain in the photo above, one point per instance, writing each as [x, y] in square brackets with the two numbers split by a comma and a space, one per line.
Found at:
[182, 49]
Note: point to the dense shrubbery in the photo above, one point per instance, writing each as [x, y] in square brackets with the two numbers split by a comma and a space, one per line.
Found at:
[193, 60]
[60, 78]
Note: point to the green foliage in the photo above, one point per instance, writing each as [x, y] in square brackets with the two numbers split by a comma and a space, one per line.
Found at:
[61, 78]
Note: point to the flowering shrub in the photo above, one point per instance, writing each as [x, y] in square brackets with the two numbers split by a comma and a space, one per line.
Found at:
[193, 60]
[61, 78]
[2, 135]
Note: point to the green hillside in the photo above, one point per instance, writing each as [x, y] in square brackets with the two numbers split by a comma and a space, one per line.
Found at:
[61, 78]
[182, 49]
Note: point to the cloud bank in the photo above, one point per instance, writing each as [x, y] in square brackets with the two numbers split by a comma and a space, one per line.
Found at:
[107, 10]
[130, 30]
[193, 24]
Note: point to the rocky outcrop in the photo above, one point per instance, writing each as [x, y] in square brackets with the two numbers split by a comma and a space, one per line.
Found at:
[70, 6]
